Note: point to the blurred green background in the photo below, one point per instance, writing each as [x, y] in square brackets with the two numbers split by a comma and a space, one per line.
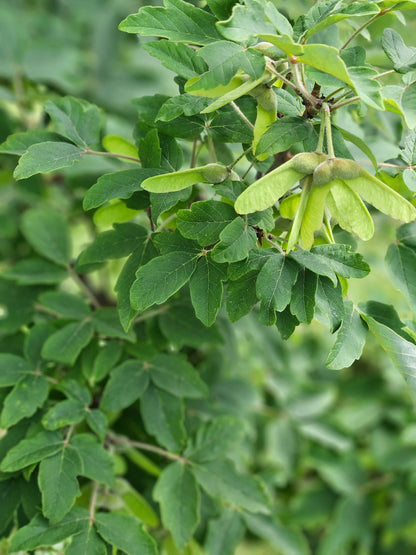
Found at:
[337, 449]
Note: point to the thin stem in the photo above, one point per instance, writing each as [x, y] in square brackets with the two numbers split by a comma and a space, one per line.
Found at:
[165, 223]
[230, 167]
[93, 502]
[380, 75]
[149, 215]
[211, 148]
[150, 314]
[193, 155]
[320, 145]
[272, 243]
[328, 129]
[301, 86]
[248, 169]
[345, 103]
[148, 447]
[297, 221]
[75, 277]
[363, 26]
[387, 165]
[272, 69]
[332, 94]
[241, 114]
[69, 434]
[112, 155]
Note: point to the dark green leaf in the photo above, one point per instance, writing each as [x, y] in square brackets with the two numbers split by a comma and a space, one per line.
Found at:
[177, 482]
[97, 463]
[177, 57]
[206, 289]
[47, 157]
[350, 340]
[345, 263]
[30, 392]
[66, 344]
[241, 296]
[149, 149]
[236, 240]
[98, 423]
[66, 305]
[32, 450]
[33, 271]
[163, 416]
[126, 533]
[105, 360]
[9, 501]
[58, 483]
[107, 322]
[178, 22]
[185, 104]
[63, 414]
[12, 369]
[47, 232]
[205, 221]
[160, 278]
[215, 439]
[330, 302]
[117, 185]
[18, 143]
[287, 541]
[126, 384]
[174, 374]
[224, 533]
[76, 119]
[283, 134]
[220, 480]
[302, 303]
[286, 323]
[87, 542]
[40, 532]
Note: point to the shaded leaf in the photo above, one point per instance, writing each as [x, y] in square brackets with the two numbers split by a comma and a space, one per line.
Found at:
[350, 340]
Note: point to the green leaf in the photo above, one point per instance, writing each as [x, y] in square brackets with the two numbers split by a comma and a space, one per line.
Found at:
[58, 483]
[143, 253]
[184, 104]
[366, 87]
[302, 303]
[33, 271]
[221, 8]
[163, 417]
[179, 58]
[105, 360]
[316, 263]
[401, 352]
[163, 202]
[224, 533]
[126, 533]
[401, 263]
[241, 296]
[32, 450]
[10, 498]
[274, 284]
[330, 302]
[76, 119]
[178, 21]
[282, 134]
[409, 104]
[409, 152]
[215, 439]
[150, 151]
[288, 104]
[48, 233]
[245, 22]
[116, 243]
[117, 185]
[29, 393]
[234, 90]
[174, 374]
[225, 59]
[406, 234]
[98, 423]
[18, 143]
[206, 289]
[40, 532]
[220, 480]
[286, 540]
[97, 463]
[127, 383]
[47, 157]
[205, 221]
[66, 344]
[87, 542]
[161, 278]
[286, 323]
[65, 304]
[107, 323]
[12, 369]
[345, 263]
[138, 506]
[403, 57]
[350, 340]
[236, 240]
[63, 414]
[177, 482]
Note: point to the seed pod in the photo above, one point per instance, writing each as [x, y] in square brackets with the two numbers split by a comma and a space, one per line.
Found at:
[266, 98]
[268, 189]
[349, 210]
[313, 215]
[306, 162]
[176, 181]
[382, 197]
[335, 168]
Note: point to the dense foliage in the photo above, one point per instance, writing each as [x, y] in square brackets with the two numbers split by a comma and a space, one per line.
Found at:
[137, 416]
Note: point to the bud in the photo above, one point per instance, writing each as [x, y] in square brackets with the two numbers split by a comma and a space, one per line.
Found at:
[306, 162]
